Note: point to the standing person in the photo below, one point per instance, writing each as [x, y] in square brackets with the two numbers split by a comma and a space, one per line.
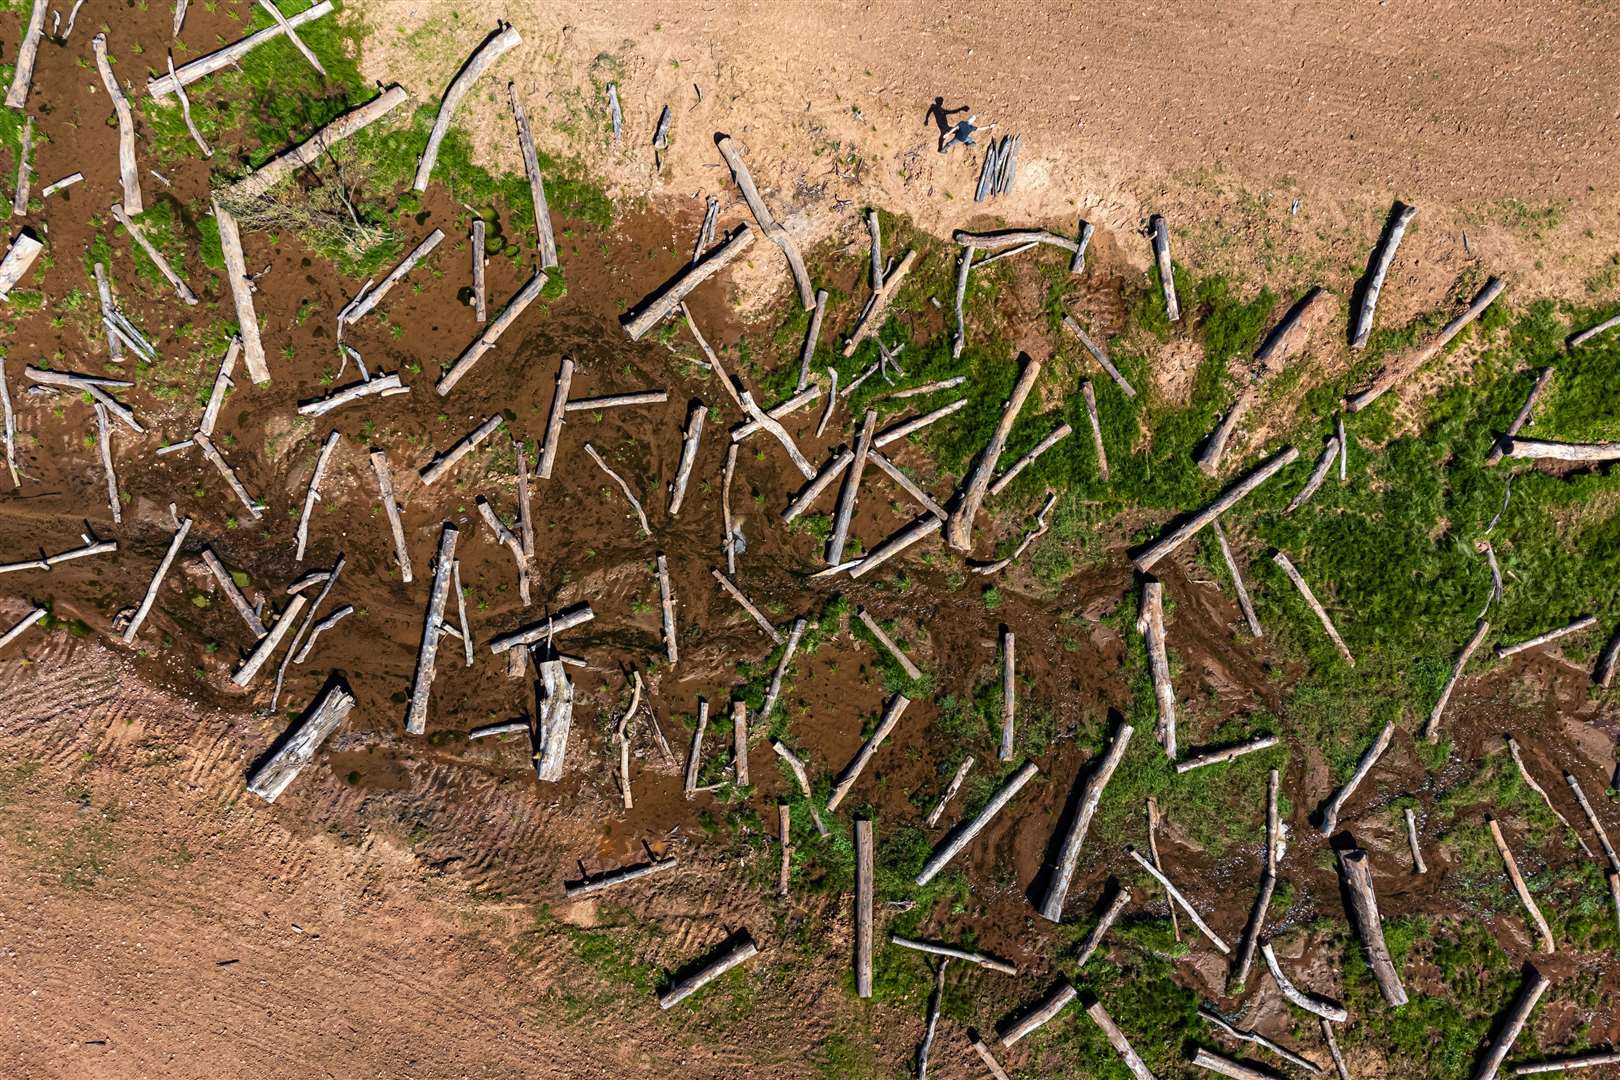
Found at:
[962, 133]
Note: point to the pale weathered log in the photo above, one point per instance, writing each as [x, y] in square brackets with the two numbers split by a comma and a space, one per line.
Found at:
[1153, 819]
[1117, 1039]
[222, 383]
[286, 28]
[1431, 730]
[492, 333]
[1357, 875]
[1110, 915]
[1008, 238]
[775, 689]
[711, 213]
[862, 916]
[446, 461]
[129, 174]
[145, 608]
[883, 639]
[863, 757]
[1586, 622]
[1499, 448]
[694, 758]
[950, 791]
[772, 426]
[1150, 624]
[730, 542]
[134, 230]
[1324, 461]
[709, 354]
[784, 819]
[953, 844]
[92, 385]
[1408, 365]
[773, 230]
[326, 624]
[919, 529]
[269, 643]
[19, 200]
[298, 635]
[1234, 494]
[236, 276]
[270, 779]
[1310, 599]
[1227, 753]
[59, 185]
[381, 386]
[635, 504]
[1538, 449]
[1101, 356]
[1330, 813]
[810, 339]
[573, 890]
[1009, 690]
[233, 592]
[1311, 1003]
[500, 41]
[1238, 974]
[614, 401]
[847, 494]
[22, 79]
[959, 528]
[1175, 895]
[1412, 842]
[803, 777]
[739, 742]
[385, 488]
[689, 448]
[1293, 330]
[896, 432]
[223, 467]
[990, 963]
[928, 388]
[19, 257]
[1512, 1025]
[1053, 1004]
[16, 631]
[748, 606]
[1214, 448]
[999, 485]
[1569, 1064]
[1096, 429]
[1394, 229]
[231, 54]
[962, 268]
[1238, 587]
[1333, 1049]
[115, 345]
[1211, 1016]
[317, 147]
[1161, 258]
[104, 446]
[367, 299]
[872, 321]
[1005, 253]
[1530, 782]
[480, 298]
[1592, 820]
[821, 482]
[934, 1002]
[537, 186]
[1519, 887]
[1587, 335]
[427, 653]
[1037, 531]
[989, 1060]
[554, 420]
[314, 493]
[1225, 1066]
[776, 412]
[736, 952]
[556, 692]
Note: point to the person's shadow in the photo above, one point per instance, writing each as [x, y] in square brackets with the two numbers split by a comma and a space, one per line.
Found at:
[941, 116]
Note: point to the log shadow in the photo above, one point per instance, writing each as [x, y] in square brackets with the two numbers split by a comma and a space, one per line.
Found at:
[1360, 291]
[335, 680]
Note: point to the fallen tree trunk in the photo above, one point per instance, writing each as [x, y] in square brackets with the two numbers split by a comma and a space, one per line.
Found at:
[1239, 971]
[1499, 448]
[1225, 1066]
[230, 55]
[1244, 603]
[989, 1060]
[1330, 815]
[150, 598]
[872, 321]
[1110, 915]
[1161, 258]
[748, 606]
[19, 257]
[268, 644]
[737, 951]
[1312, 1003]
[1358, 883]
[233, 592]
[1400, 217]
[689, 448]
[1063, 993]
[381, 386]
[1538, 449]
[363, 304]
[385, 487]
[492, 333]
[1586, 622]
[1150, 624]
[1402, 369]
[797, 767]
[1412, 842]
[950, 791]
[1227, 499]
[771, 425]
[556, 718]
[776, 412]
[850, 490]
[694, 757]
[1116, 1039]
[1100, 355]
[315, 149]
[432, 628]
[821, 482]
[578, 615]
[314, 493]
[1431, 730]
[1519, 887]
[154, 254]
[775, 689]
[919, 529]
[554, 420]
[863, 757]
[768, 225]
[962, 268]
[864, 873]
[1310, 599]
[1319, 473]
[537, 184]
[1074, 838]
[435, 469]
[1063, 431]
[236, 276]
[990, 963]
[1569, 1064]
[959, 528]
[129, 174]
[809, 351]
[912, 670]
[1176, 896]
[1228, 753]
[17, 630]
[1209, 1015]
[270, 779]
[590, 886]
[616, 401]
[952, 846]
[22, 79]
[635, 504]
[500, 41]
[1535, 984]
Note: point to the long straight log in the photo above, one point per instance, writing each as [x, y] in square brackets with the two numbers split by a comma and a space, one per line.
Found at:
[1238, 587]
[1585, 622]
[666, 601]
[230, 55]
[1074, 838]
[1569, 1064]
[19, 200]
[272, 778]
[989, 963]
[773, 230]
[1412, 842]
[545, 630]
[1403, 368]
[1238, 974]
[363, 304]
[1010, 238]
[381, 386]
[1176, 895]
[959, 528]
[1538, 450]
[810, 339]
[713, 359]
[236, 276]
[1535, 984]
[1000, 483]
[912, 670]
[1312, 1003]
[689, 449]
[1110, 915]
[129, 174]
[16, 630]
[115, 343]
[952, 845]
[776, 412]
[448, 460]
[1226, 753]
[615, 401]
[850, 490]
[1399, 219]
[962, 267]
[104, 447]
[1310, 599]
[1587, 335]
[1431, 730]
[427, 654]
[66, 182]
[222, 383]
[918, 530]
[1097, 447]
[989, 1060]
[92, 385]
[19, 257]
[1357, 875]
[1333, 1049]
[1116, 1038]
[739, 742]
[233, 592]
[694, 758]
[864, 874]
[748, 606]
[500, 41]
[317, 147]
[385, 490]
[1519, 887]
[775, 689]
[1099, 354]
[1225, 501]
[1150, 624]
[1499, 448]
[1041, 1014]
[1160, 232]
[1225, 1066]
[158, 260]
[1319, 471]
[771, 425]
[934, 1002]
[590, 886]
[872, 321]
[1593, 820]
[863, 757]
[893, 434]
[822, 481]
[312, 496]
[23, 78]
[735, 952]
[554, 420]
[1211, 1016]
[1330, 814]
[223, 467]
[269, 643]
[492, 333]
[537, 185]
[145, 608]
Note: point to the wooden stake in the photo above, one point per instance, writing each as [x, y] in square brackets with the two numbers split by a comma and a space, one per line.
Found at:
[952, 845]
[1535, 984]
[574, 890]
[150, 598]
[1586, 622]
[1409, 365]
[1357, 875]
[768, 225]
[231, 54]
[1094, 940]
[1311, 1003]
[500, 40]
[1310, 599]
[272, 778]
[1054, 1003]
[1227, 499]
[1330, 814]
[739, 742]
[1175, 895]
[537, 185]
[443, 463]
[444, 564]
[318, 147]
[1393, 231]
[737, 951]
[129, 173]
[689, 449]
[799, 774]
[863, 757]
[959, 529]
[1520, 887]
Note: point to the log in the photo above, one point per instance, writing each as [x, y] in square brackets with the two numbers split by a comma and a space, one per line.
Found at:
[715, 365]
[862, 917]
[737, 951]
[211, 452]
[912, 671]
[863, 757]
[492, 333]
[381, 386]
[1499, 448]
[1009, 238]
[461, 613]
[1530, 782]
[1586, 622]
[448, 460]
[777, 412]
[689, 448]
[934, 1003]
[222, 383]
[1330, 813]
[799, 774]
[427, 654]
[872, 321]
[1175, 895]
[233, 592]
[1100, 356]
[1150, 624]
[368, 299]
[953, 844]
[385, 489]
[1569, 1064]
[1521, 888]
[314, 493]
[711, 213]
[556, 691]
[1587, 335]
[554, 420]
[893, 434]
[962, 267]
[480, 305]
[635, 504]
[88, 384]
[23, 78]
[999, 485]
[1244, 603]
[1096, 429]
[730, 542]
[1009, 690]
[785, 839]
[1111, 914]
[990, 1062]
[1310, 599]
[1209, 1015]
[129, 174]
[1592, 820]
[772, 426]
[314, 609]
[1538, 449]
[104, 445]
[19, 257]
[768, 225]
[1035, 533]
[1214, 449]
[1061, 995]
[281, 20]
[326, 624]
[270, 779]
[1602, 671]
[1333, 1049]
[666, 600]
[1412, 841]
[928, 388]
[694, 759]
[810, 338]
[959, 528]
[46, 562]
[1227, 753]
[1161, 258]
[919, 529]
[1229, 498]
[1403, 368]
[1225, 1066]
[317, 147]
[1153, 817]
[613, 109]
[1239, 972]
[16, 631]
[1118, 1041]
[231, 54]
[1005, 253]
[748, 606]
[1294, 329]
[506, 537]
[1518, 1015]
[1319, 471]
[614, 401]
[145, 608]
[990, 963]
[775, 689]
[154, 254]
[66, 182]
[1400, 217]
[537, 185]
[848, 493]
[19, 200]
[1357, 875]
[500, 40]
[1431, 730]
[236, 276]
[115, 345]
[739, 742]
[822, 481]
[574, 890]
[269, 643]
[1311, 1003]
